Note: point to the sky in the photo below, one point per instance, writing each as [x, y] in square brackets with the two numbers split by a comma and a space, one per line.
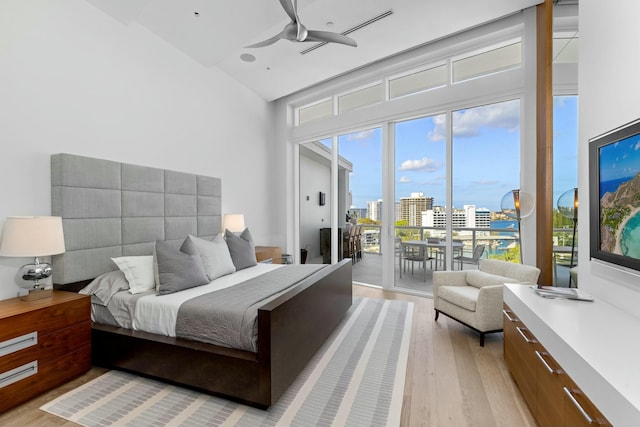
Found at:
[620, 160]
[486, 153]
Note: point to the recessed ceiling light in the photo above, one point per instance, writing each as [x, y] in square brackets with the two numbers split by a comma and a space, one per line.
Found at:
[247, 57]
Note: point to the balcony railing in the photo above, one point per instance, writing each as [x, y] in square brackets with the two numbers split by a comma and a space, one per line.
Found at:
[497, 240]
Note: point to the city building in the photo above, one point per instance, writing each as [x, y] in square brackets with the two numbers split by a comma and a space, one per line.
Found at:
[468, 217]
[374, 210]
[412, 207]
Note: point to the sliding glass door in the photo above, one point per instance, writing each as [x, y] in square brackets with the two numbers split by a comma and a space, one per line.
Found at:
[420, 202]
[485, 167]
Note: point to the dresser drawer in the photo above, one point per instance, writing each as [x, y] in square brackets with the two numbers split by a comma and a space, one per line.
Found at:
[50, 374]
[43, 344]
[50, 346]
[46, 319]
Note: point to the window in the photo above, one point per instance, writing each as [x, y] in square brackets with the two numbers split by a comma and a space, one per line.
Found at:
[487, 62]
[565, 48]
[315, 111]
[486, 165]
[418, 82]
[360, 98]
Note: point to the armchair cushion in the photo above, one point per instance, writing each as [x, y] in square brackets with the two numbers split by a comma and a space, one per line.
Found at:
[479, 279]
[462, 296]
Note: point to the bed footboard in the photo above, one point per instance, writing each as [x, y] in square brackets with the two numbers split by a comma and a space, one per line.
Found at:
[291, 329]
[294, 326]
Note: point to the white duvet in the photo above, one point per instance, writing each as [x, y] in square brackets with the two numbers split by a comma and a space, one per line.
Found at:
[157, 314]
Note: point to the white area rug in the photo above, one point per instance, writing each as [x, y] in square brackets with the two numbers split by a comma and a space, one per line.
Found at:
[355, 379]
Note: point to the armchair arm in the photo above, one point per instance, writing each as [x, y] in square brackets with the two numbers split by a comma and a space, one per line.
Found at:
[448, 278]
[489, 308]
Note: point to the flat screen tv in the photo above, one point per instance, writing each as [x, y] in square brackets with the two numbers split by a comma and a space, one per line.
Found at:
[614, 195]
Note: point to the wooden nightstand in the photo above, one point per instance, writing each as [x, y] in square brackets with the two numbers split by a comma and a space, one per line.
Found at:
[43, 343]
[265, 253]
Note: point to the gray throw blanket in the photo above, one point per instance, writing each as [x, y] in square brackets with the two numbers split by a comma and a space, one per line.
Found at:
[228, 317]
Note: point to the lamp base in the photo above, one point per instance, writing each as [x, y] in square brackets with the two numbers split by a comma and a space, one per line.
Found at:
[35, 294]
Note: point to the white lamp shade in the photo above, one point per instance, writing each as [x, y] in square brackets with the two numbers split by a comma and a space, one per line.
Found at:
[32, 236]
[233, 222]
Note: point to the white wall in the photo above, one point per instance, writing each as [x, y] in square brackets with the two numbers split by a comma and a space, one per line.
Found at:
[609, 88]
[73, 79]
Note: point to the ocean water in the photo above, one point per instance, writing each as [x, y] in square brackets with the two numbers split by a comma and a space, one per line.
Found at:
[630, 237]
[505, 224]
[612, 185]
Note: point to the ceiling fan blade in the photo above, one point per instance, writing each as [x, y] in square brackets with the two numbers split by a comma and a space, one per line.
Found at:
[290, 9]
[329, 37]
[266, 42]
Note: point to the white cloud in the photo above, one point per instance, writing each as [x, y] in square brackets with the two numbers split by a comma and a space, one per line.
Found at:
[365, 134]
[404, 180]
[439, 131]
[425, 164]
[467, 123]
[637, 146]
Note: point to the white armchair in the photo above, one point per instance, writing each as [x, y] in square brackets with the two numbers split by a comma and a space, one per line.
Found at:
[474, 297]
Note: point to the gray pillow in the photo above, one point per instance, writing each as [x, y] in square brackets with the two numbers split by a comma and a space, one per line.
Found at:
[105, 286]
[214, 254]
[177, 271]
[243, 252]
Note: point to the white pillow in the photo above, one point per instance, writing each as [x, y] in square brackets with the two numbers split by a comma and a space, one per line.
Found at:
[139, 272]
[214, 254]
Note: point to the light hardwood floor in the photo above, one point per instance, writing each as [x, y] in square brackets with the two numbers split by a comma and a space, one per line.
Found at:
[451, 380]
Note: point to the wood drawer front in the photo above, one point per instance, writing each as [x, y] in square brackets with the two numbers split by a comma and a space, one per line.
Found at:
[551, 379]
[50, 374]
[578, 409]
[510, 321]
[46, 319]
[50, 346]
[552, 396]
[519, 349]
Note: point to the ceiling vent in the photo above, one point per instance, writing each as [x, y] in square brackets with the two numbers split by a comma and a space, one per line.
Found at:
[352, 29]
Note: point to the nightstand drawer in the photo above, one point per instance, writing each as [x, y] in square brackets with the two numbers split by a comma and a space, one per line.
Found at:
[50, 374]
[50, 346]
[47, 342]
[46, 319]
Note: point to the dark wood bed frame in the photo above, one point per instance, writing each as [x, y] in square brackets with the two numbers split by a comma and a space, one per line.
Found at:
[291, 329]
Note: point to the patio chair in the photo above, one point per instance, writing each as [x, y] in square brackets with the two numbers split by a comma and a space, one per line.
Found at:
[417, 254]
[474, 259]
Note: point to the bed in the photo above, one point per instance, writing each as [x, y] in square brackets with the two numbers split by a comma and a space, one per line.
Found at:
[113, 209]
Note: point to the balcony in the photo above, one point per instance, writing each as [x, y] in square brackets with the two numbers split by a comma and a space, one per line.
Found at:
[500, 243]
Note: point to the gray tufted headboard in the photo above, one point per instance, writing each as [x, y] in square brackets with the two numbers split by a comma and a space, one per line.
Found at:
[112, 209]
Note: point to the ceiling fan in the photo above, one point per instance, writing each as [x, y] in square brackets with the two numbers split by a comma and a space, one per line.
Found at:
[296, 32]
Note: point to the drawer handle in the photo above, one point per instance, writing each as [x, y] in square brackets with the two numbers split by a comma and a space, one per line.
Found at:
[524, 336]
[586, 416]
[18, 343]
[546, 364]
[509, 318]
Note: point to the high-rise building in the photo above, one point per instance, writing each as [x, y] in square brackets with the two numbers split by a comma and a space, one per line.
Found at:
[411, 208]
[468, 217]
[397, 216]
[374, 210]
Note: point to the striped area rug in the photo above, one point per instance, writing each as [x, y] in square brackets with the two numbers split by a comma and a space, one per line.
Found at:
[355, 379]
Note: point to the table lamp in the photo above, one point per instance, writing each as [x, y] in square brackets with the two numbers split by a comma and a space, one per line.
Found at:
[233, 223]
[33, 236]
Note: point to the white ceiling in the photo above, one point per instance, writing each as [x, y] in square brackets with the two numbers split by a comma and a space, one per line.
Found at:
[217, 35]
